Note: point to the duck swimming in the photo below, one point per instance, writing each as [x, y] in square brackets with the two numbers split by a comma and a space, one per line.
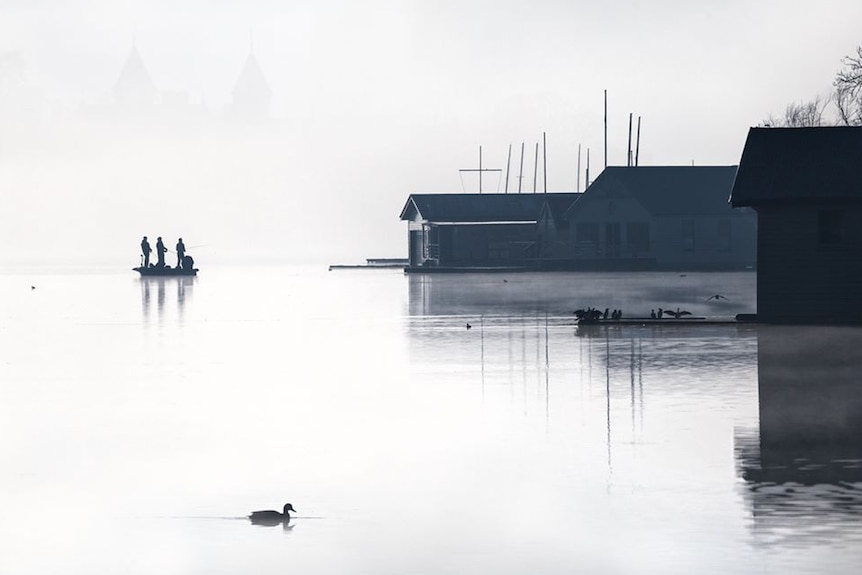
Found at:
[270, 517]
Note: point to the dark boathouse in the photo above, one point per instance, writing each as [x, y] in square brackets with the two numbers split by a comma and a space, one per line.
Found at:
[806, 186]
[661, 217]
[475, 230]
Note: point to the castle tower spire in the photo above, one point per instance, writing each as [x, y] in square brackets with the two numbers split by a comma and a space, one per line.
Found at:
[251, 93]
[134, 88]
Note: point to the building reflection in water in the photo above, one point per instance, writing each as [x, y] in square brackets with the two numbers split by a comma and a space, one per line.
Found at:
[803, 469]
[158, 288]
[560, 293]
[800, 466]
[523, 341]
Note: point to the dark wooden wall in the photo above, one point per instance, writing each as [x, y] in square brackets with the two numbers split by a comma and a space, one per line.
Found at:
[802, 280]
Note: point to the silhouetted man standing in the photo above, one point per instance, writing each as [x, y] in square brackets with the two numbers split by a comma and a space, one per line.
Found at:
[181, 251]
[160, 252]
[146, 249]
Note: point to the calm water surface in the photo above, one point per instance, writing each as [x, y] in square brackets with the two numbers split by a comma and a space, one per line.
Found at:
[141, 420]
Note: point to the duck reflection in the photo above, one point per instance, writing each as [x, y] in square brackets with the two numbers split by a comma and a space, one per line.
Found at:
[182, 285]
[803, 470]
[286, 525]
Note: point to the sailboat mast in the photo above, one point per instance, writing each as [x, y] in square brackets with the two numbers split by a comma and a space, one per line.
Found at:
[629, 149]
[536, 168]
[508, 161]
[521, 172]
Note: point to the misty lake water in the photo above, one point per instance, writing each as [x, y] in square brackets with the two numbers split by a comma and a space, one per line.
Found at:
[141, 420]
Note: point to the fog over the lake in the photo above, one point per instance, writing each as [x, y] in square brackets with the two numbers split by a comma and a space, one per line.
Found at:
[370, 101]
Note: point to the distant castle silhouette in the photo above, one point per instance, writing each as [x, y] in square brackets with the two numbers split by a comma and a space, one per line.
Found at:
[251, 93]
[135, 91]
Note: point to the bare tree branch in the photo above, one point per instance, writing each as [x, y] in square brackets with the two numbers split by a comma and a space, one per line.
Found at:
[847, 97]
[848, 90]
[799, 115]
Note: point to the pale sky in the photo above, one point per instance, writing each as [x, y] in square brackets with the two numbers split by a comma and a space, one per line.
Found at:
[372, 101]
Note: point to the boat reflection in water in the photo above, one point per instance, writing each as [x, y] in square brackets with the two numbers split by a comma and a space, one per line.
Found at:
[803, 470]
[181, 285]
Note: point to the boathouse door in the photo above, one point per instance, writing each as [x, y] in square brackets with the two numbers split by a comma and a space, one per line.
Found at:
[415, 247]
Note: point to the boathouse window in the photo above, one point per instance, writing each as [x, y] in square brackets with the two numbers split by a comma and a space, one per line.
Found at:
[724, 235]
[830, 227]
[688, 235]
[587, 233]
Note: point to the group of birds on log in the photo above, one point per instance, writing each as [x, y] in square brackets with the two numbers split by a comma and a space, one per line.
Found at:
[668, 312]
[592, 314]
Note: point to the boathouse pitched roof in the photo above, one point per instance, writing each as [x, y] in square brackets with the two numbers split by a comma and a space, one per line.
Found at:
[557, 204]
[480, 208]
[799, 165]
[666, 190]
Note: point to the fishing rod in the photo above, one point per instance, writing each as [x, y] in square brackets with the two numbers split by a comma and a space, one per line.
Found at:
[189, 247]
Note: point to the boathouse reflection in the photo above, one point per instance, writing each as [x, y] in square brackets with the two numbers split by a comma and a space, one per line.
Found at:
[560, 293]
[803, 468]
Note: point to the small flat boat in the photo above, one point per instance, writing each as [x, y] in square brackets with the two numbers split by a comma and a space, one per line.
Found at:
[165, 271]
[186, 269]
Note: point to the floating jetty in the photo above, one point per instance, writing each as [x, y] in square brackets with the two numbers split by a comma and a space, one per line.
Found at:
[374, 264]
[687, 321]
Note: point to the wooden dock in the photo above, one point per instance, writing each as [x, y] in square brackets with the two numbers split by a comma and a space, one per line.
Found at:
[742, 318]
[373, 264]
